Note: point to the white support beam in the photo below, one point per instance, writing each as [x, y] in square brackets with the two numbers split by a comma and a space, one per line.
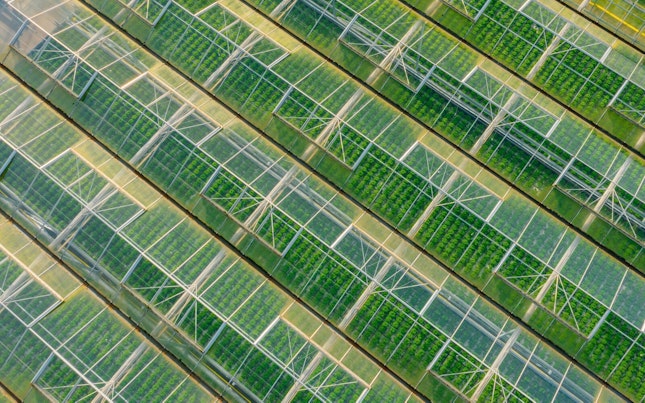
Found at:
[438, 198]
[160, 135]
[5, 165]
[494, 368]
[161, 14]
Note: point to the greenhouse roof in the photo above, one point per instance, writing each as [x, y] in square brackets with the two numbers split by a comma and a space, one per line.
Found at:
[322, 200]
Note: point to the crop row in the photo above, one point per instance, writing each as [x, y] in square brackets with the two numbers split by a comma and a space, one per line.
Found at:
[252, 368]
[251, 87]
[86, 184]
[524, 271]
[422, 57]
[46, 198]
[344, 142]
[84, 349]
[464, 128]
[227, 294]
[304, 114]
[394, 276]
[95, 248]
[546, 144]
[613, 353]
[578, 79]
[510, 36]
[521, 130]
[68, 168]
[223, 21]
[125, 125]
[501, 153]
[463, 240]
[179, 166]
[320, 277]
[624, 210]
[30, 301]
[182, 46]
[259, 311]
[183, 242]
[98, 351]
[334, 383]
[277, 229]
[153, 285]
[460, 368]
[381, 389]
[288, 346]
[389, 329]
[289, 238]
[575, 76]
[61, 382]
[292, 238]
[184, 251]
[28, 130]
[386, 14]
[631, 102]
[203, 47]
[198, 322]
[154, 378]
[428, 165]
[88, 187]
[232, 195]
[26, 299]
[574, 305]
[392, 189]
[21, 353]
[427, 102]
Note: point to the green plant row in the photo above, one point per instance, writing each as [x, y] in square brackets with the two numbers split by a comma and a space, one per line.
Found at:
[142, 262]
[572, 73]
[463, 116]
[350, 290]
[279, 231]
[103, 346]
[89, 92]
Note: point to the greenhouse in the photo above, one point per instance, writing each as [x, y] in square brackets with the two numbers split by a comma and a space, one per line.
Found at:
[322, 200]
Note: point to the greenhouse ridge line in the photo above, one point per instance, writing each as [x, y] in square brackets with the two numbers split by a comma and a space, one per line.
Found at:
[4, 389]
[371, 90]
[349, 197]
[467, 152]
[516, 319]
[521, 77]
[215, 235]
[602, 26]
[113, 308]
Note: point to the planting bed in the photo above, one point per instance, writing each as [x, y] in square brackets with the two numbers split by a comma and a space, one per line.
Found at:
[459, 102]
[367, 280]
[203, 292]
